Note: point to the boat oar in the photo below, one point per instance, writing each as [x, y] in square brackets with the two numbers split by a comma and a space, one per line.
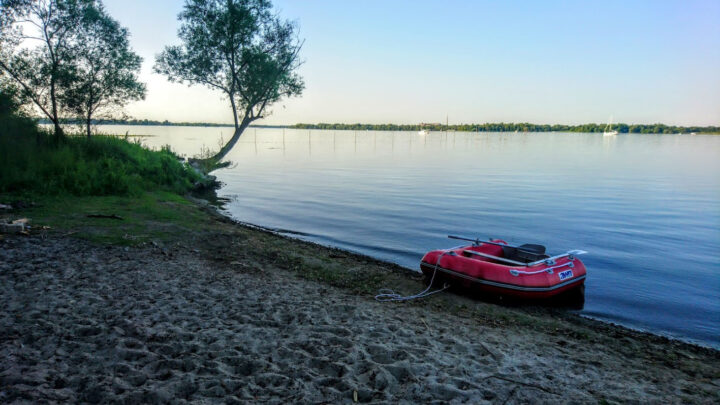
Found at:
[479, 241]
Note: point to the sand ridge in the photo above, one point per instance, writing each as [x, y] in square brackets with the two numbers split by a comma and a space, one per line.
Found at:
[87, 323]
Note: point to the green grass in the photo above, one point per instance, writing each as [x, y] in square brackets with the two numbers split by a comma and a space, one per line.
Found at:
[151, 216]
[101, 165]
[69, 178]
[330, 273]
[34, 162]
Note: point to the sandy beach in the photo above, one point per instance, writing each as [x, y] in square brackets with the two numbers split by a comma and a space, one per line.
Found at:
[231, 317]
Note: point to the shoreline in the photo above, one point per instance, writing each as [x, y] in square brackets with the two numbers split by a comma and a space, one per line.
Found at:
[206, 308]
[286, 233]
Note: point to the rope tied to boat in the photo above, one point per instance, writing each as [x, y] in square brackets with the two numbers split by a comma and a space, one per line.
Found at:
[387, 294]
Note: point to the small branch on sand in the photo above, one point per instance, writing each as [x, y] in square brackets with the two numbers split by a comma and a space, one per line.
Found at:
[490, 352]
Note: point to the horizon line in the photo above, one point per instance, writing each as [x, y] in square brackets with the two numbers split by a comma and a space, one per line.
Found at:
[230, 124]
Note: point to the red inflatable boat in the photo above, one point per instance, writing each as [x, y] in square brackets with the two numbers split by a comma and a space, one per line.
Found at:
[496, 267]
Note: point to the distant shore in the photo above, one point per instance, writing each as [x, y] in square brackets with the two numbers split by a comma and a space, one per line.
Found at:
[521, 127]
[194, 306]
[486, 127]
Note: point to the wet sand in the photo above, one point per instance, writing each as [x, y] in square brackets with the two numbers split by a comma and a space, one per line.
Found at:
[81, 322]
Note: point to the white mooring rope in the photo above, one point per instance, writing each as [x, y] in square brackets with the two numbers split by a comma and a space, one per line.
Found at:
[386, 294]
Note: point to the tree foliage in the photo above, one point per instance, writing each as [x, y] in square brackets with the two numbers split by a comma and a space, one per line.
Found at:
[47, 47]
[103, 76]
[238, 47]
[39, 70]
[12, 118]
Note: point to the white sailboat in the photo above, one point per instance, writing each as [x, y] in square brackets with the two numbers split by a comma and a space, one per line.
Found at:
[608, 131]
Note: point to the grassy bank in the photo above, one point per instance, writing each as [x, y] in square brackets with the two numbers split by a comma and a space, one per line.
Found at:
[152, 216]
[61, 183]
[35, 163]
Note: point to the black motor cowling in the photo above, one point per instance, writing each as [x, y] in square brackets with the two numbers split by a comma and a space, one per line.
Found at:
[526, 253]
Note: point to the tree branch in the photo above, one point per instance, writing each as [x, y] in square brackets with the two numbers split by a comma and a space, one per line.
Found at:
[25, 87]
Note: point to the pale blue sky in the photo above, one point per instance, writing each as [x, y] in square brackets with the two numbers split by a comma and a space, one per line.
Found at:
[475, 61]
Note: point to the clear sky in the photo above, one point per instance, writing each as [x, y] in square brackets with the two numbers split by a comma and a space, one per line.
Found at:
[403, 61]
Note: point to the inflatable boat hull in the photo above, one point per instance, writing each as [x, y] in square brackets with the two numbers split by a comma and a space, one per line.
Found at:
[484, 267]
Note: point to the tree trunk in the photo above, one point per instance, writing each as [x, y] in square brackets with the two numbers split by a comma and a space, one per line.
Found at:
[234, 110]
[59, 134]
[55, 119]
[229, 145]
[58, 130]
[88, 126]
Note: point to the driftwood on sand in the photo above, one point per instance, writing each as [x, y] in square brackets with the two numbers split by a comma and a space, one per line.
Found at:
[108, 216]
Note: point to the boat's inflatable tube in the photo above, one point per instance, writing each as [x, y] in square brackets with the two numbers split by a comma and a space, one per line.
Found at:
[522, 271]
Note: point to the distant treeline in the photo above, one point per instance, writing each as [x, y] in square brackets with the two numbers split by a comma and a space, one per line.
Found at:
[520, 127]
[488, 127]
[150, 122]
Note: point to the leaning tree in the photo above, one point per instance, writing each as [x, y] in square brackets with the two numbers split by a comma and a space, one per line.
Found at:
[239, 47]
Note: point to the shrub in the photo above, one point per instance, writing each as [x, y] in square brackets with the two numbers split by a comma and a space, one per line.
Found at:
[32, 161]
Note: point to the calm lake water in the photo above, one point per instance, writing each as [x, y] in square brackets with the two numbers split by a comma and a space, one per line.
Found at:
[645, 207]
